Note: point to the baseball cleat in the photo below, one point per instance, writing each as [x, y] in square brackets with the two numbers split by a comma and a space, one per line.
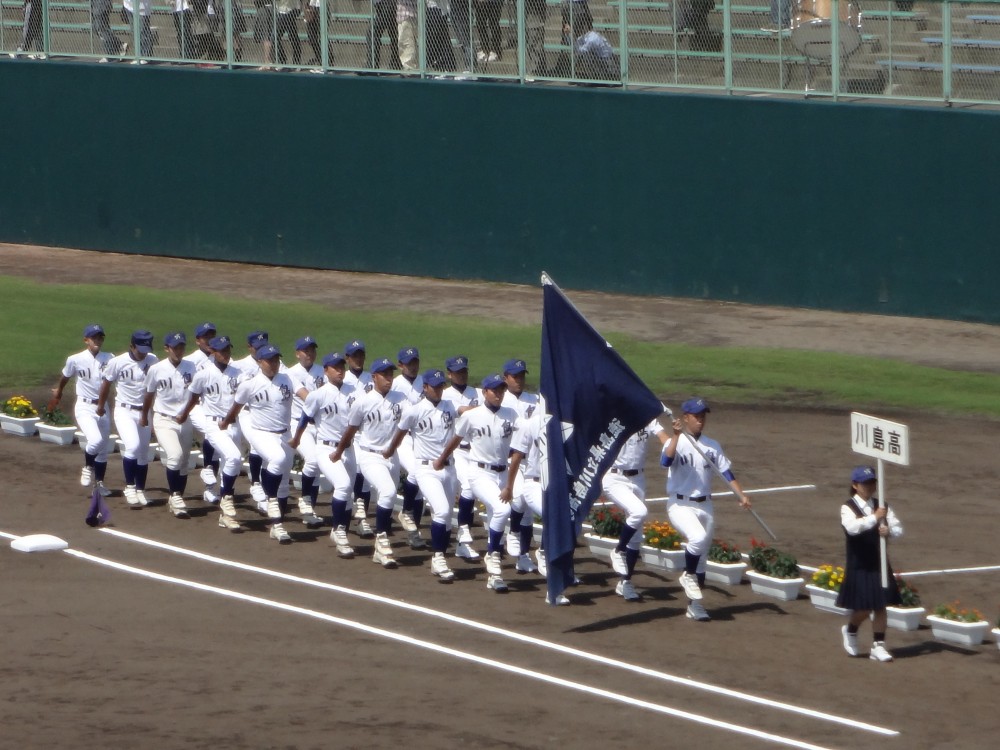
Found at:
[879, 652]
[466, 552]
[496, 583]
[176, 505]
[210, 496]
[103, 490]
[524, 564]
[228, 506]
[305, 507]
[130, 497]
[406, 521]
[273, 509]
[339, 537]
[312, 521]
[513, 544]
[618, 563]
[690, 584]
[464, 536]
[561, 601]
[439, 567]
[627, 591]
[416, 541]
[365, 530]
[543, 568]
[140, 496]
[359, 509]
[207, 476]
[493, 566]
[86, 476]
[383, 551]
[697, 612]
[850, 641]
[262, 507]
[231, 524]
[257, 492]
[278, 532]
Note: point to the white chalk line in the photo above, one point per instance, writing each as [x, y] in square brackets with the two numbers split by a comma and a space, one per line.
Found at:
[949, 571]
[491, 663]
[485, 627]
[728, 493]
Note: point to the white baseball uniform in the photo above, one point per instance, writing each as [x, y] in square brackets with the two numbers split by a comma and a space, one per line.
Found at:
[129, 377]
[329, 407]
[270, 404]
[467, 396]
[431, 427]
[377, 417]
[309, 380]
[88, 369]
[489, 436]
[216, 389]
[625, 482]
[170, 384]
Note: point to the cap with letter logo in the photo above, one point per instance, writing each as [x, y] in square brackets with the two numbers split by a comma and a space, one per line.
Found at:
[493, 381]
[514, 367]
[695, 406]
[304, 343]
[204, 330]
[142, 340]
[862, 474]
[219, 343]
[455, 364]
[174, 339]
[434, 378]
[353, 347]
[381, 365]
[92, 331]
[333, 359]
[268, 351]
[408, 354]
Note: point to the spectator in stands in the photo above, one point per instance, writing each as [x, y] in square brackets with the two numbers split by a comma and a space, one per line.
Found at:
[535, 12]
[781, 15]
[216, 22]
[593, 56]
[31, 31]
[488, 23]
[270, 27]
[383, 21]
[693, 15]
[100, 18]
[314, 26]
[461, 20]
[145, 31]
[440, 54]
[406, 30]
[182, 26]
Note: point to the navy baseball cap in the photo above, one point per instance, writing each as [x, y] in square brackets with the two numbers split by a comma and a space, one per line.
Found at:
[454, 364]
[268, 351]
[353, 347]
[204, 329]
[257, 339]
[92, 330]
[862, 474]
[494, 381]
[381, 365]
[332, 359]
[434, 378]
[695, 406]
[304, 343]
[142, 341]
[219, 343]
[408, 354]
[514, 367]
[174, 339]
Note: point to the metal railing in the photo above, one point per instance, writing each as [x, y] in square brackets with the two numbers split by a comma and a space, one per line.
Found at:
[939, 51]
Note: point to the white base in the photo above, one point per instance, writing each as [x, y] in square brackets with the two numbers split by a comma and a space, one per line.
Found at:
[39, 543]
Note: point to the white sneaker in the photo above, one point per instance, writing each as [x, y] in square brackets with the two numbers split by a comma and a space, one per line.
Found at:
[406, 521]
[103, 60]
[493, 566]
[339, 537]
[627, 591]
[493, 57]
[208, 476]
[561, 601]
[383, 551]
[697, 612]
[618, 563]
[177, 507]
[257, 492]
[465, 536]
[543, 566]
[466, 552]
[273, 509]
[278, 532]
[481, 56]
[140, 496]
[439, 567]
[879, 652]
[359, 509]
[496, 583]
[690, 584]
[514, 544]
[305, 507]
[416, 541]
[262, 507]
[103, 490]
[232, 524]
[850, 641]
[524, 564]
[365, 530]
[227, 505]
[86, 476]
[130, 497]
[210, 496]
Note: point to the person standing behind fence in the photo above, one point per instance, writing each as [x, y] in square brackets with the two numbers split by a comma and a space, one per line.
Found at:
[406, 31]
[145, 29]
[383, 21]
[100, 19]
[31, 31]
[184, 30]
[861, 592]
[488, 24]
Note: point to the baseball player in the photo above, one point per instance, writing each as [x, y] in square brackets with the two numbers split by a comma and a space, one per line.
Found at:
[463, 397]
[374, 418]
[525, 404]
[128, 372]
[212, 392]
[249, 367]
[269, 396]
[166, 395]
[689, 495]
[431, 424]
[488, 429]
[88, 368]
[624, 484]
[361, 380]
[326, 409]
[306, 376]
[203, 335]
[411, 385]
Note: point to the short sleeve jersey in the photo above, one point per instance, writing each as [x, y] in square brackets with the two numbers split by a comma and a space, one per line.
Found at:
[488, 433]
[689, 473]
[215, 388]
[632, 455]
[432, 426]
[310, 379]
[361, 381]
[525, 405]
[269, 400]
[129, 377]
[377, 417]
[170, 384]
[329, 407]
[413, 391]
[88, 369]
[198, 358]
[527, 440]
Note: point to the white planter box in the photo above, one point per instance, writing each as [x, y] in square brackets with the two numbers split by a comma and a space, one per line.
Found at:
[785, 589]
[19, 426]
[667, 559]
[967, 634]
[154, 450]
[730, 574]
[996, 636]
[600, 545]
[825, 600]
[82, 440]
[56, 435]
[905, 618]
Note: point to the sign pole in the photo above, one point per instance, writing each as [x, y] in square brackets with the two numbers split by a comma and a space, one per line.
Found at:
[883, 556]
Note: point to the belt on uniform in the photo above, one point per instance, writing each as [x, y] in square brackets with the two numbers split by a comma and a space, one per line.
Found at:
[699, 499]
[89, 401]
[273, 432]
[465, 446]
[627, 472]
[372, 450]
[331, 443]
[425, 462]
[492, 467]
[533, 479]
[214, 418]
[130, 406]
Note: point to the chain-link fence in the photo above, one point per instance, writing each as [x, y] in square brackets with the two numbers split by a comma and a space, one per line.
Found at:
[944, 51]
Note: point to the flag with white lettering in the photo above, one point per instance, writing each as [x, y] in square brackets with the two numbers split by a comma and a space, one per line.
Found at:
[594, 402]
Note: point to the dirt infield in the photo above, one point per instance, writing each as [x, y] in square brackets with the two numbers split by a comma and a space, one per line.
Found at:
[95, 657]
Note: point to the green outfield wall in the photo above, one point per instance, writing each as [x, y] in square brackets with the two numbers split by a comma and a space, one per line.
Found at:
[804, 203]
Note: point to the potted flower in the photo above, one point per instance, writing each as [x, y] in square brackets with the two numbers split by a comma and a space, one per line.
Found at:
[775, 573]
[957, 624]
[823, 588]
[725, 563]
[56, 427]
[605, 528]
[662, 546]
[908, 614]
[19, 417]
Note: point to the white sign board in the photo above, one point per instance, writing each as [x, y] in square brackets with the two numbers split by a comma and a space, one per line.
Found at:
[880, 438]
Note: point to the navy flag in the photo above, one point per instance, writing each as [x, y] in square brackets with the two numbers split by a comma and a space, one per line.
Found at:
[594, 402]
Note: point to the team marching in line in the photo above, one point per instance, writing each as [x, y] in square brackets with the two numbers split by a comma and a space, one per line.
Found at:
[361, 428]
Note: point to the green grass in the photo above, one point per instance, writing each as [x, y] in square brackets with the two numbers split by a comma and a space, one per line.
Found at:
[44, 324]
